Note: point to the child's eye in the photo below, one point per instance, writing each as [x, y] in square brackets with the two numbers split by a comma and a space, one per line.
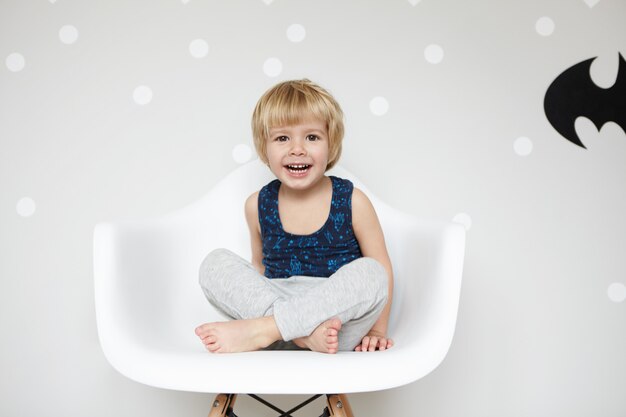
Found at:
[282, 138]
[312, 138]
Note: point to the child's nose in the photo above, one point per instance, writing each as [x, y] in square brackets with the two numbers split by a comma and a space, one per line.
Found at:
[297, 148]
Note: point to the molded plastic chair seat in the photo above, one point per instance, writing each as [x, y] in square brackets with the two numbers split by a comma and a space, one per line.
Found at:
[148, 301]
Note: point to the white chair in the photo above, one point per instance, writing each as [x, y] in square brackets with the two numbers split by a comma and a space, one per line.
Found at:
[148, 302]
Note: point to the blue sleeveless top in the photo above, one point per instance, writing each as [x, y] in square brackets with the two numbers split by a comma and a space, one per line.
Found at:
[319, 254]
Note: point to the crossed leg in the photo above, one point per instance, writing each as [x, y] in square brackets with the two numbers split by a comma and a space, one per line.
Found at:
[309, 311]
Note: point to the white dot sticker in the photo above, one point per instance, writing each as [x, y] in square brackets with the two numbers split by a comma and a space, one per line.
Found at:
[296, 33]
[592, 3]
[15, 62]
[25, 207]
[523, 146]
[142, 95]
[242, 153]
[68, 34]
[272, 67]
[414, 2]
[463, 219]
[268, 2]
[433, 54]
[617, 292]
[198, 48]
[379, 106]
[544, 26]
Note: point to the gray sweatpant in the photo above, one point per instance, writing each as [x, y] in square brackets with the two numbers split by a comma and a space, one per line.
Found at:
[356, 294]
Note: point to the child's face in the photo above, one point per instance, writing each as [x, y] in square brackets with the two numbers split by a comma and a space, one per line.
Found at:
[298, 154]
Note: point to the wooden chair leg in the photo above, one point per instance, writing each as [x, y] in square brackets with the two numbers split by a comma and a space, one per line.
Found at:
[338, 405]
[222, 405]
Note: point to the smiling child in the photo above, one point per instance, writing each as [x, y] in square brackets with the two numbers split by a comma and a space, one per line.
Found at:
[320, 277]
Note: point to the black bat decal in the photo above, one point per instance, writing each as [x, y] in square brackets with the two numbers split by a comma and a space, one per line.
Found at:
[574, 94]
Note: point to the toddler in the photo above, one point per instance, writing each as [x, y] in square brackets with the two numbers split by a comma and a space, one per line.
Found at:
[320, 276]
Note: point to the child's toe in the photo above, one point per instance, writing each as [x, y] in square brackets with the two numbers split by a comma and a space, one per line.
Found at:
[209, 339]
[213, 347]
[203, 330]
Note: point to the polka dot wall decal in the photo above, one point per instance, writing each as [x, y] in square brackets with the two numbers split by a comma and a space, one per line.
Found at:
[268, 2]
[433, 54]
[52, 1]
[414, 2]
[379, 106]
[142, 95]
[463, 219]
[198, 48]
[617, 292]
[25, 207]
[242, 153]
[544, 26]
[184, 1]
[15, 62]
[592, 3]
[272, 67]
[68, 34]
[296, 33]
[523, 146]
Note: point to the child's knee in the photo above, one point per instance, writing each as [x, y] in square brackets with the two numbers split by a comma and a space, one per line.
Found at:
[211, 263]
[378, 279]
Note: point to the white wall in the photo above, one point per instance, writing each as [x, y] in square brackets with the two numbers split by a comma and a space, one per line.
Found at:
[541, 330]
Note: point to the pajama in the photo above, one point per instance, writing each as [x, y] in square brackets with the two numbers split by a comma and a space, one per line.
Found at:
[356, 294]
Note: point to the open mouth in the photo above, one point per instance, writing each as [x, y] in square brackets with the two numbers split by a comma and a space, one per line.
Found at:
[298, 168]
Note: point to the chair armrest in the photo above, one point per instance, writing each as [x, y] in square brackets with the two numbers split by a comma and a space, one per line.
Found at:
[428, 260]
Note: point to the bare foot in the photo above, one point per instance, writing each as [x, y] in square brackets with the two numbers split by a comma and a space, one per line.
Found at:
[324, 338]
[238, 335]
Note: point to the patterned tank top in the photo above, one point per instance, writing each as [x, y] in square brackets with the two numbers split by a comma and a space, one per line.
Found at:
[319, 254]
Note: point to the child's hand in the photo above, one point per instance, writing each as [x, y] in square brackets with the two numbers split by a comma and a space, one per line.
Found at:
[372, 341]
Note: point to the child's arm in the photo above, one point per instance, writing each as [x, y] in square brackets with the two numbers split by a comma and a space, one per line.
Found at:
[252, 217]
[369, 234]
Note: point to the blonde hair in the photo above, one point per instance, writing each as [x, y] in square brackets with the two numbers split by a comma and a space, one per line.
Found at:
[293, 102]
